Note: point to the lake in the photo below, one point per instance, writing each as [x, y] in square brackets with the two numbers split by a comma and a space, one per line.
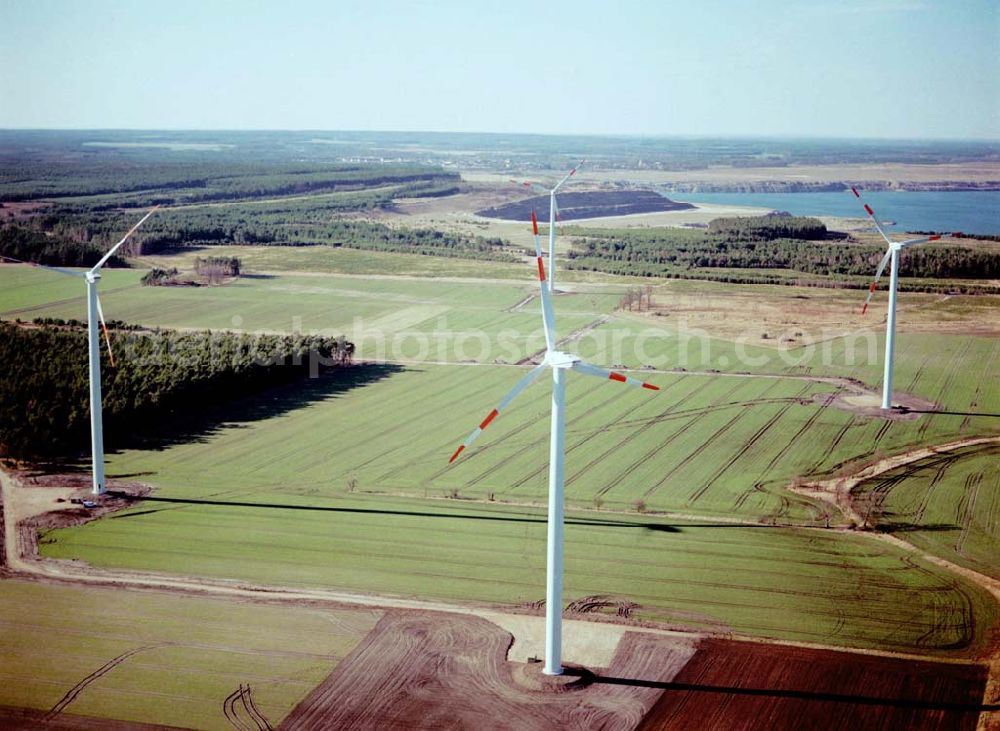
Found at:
[974, 212]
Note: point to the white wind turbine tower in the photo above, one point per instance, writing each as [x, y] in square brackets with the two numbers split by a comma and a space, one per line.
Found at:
[553, 213]
[559, 362]
[891, 255]
[94, 312]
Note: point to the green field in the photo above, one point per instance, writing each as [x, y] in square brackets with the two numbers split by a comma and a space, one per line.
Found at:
[807, 585]
[947, 504]
[386, 318]
[713, 445]
[357, 464]
[182, 655]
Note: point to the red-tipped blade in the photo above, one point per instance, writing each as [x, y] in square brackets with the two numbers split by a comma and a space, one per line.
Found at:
[490, 417]
[457, 452]
[534, 221]
[651, 387]
[855, 191]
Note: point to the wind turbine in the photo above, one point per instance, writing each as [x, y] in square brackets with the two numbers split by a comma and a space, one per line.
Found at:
[559, 362]
[94, 312]
[891, 255]
[553, 212]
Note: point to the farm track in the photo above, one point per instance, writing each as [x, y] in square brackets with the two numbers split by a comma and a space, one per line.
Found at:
[75, 691]
[567, 339]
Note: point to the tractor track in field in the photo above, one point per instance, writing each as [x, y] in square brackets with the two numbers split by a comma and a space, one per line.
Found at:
[399, 425]
[613, 396]
[604, 454]
[802, 431]
[72, 694]
[918, 374]
[694, 415]
[748, 445]
[635, 433]
[974, 404]
[966, 509]
[880, 435]
[243, 695]
[66, 301]
[828, 451]
[693, 497]
[946, 387]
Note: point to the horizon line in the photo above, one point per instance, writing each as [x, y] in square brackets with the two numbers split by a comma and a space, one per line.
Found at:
[632, 135]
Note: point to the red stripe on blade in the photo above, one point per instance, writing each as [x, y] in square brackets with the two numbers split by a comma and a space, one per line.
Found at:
[869, 209]
[617, 377]
[457, 452]
[541, 270]
[651, 387]
[488, 419]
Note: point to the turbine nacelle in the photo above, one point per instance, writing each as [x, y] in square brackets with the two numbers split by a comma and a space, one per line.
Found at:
[559, 359]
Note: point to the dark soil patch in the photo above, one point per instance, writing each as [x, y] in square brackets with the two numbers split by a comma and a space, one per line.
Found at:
[588, 204]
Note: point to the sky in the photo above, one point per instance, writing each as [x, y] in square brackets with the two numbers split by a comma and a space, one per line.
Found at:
[923, 69]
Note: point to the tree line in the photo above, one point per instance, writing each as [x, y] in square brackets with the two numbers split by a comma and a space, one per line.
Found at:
[768, 242]
[158, 376]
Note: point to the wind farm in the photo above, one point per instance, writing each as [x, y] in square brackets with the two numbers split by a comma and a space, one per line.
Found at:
[499, 368]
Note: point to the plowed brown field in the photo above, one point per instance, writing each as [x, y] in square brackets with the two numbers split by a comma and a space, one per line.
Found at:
[432, 670]
[737, 685]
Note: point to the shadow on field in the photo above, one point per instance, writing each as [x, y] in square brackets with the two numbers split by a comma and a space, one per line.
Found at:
[985, 415]
[199, 427]
[808, 695]
[907, 527]
[507, 518]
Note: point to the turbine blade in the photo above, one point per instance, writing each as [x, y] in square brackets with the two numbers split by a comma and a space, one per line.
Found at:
[591, 370]
[529, 185]
[104, 327]
[878, 275]
[58, 270]
[125, 238]
[924, 239]
[548, 316]
[568, 175]
[872, 216]
[525, 381]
